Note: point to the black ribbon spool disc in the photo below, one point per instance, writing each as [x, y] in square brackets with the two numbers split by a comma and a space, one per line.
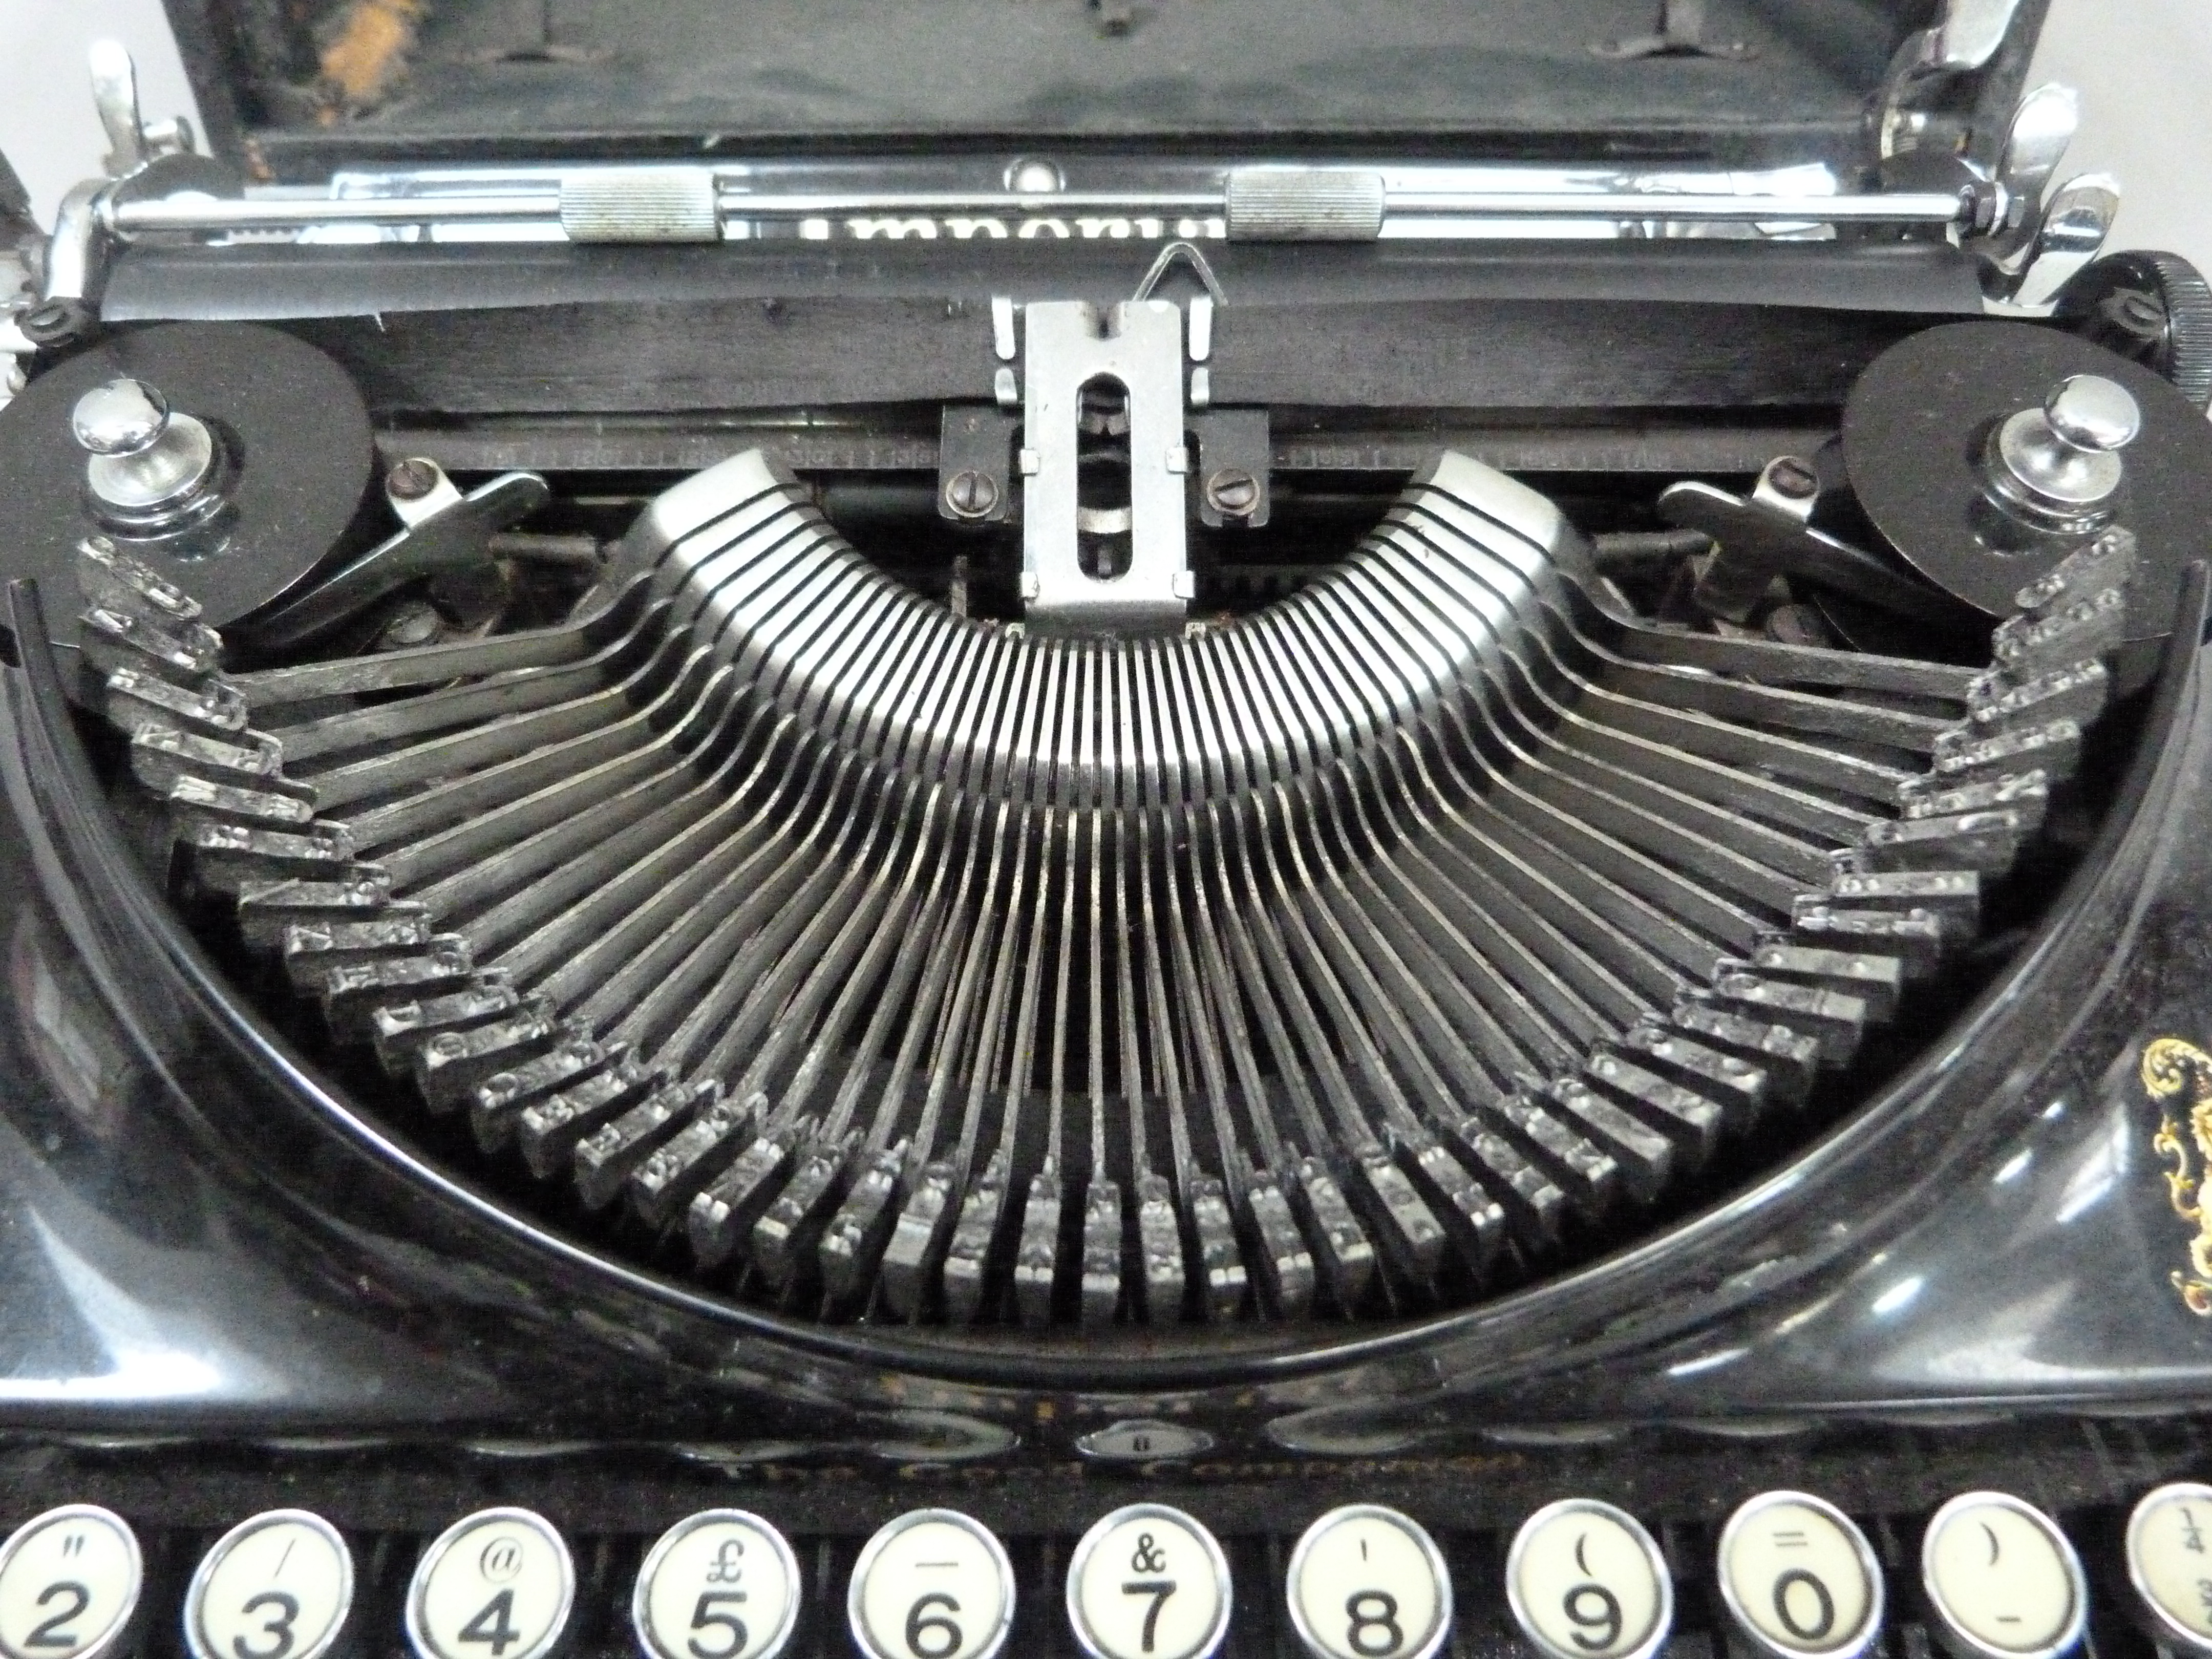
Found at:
[1914, 428]
[297, 430]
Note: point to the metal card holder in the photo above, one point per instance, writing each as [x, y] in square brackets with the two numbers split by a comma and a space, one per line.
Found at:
[1137, 349]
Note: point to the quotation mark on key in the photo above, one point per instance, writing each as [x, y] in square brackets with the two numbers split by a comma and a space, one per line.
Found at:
[72, 1545]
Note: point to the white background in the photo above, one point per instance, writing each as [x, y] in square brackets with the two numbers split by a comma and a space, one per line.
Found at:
[2143, 67]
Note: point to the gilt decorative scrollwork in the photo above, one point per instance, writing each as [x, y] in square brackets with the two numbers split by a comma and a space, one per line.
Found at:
[2172, 1068]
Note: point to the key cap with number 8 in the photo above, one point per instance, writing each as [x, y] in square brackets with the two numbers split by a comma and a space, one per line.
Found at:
[1368, 1583]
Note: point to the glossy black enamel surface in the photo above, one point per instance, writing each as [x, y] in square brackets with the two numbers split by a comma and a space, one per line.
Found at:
[198, 1236]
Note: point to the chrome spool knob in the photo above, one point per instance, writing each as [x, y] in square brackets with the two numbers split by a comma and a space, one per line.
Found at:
[2059, 466]
[149, 464]
[1955, 456]
[2093, 413]
[122, 417]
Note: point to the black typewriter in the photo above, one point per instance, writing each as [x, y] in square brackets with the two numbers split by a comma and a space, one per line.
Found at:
[1134, 829]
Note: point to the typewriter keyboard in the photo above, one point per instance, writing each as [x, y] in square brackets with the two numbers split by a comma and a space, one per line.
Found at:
[1789, 1576]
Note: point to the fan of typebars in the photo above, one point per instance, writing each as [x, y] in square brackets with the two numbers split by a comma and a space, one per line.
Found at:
[1346, 959]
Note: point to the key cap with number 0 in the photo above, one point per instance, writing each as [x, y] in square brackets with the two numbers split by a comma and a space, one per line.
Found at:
[1799, 1578]
[1148, 1582]
[719, 1584]
[496, 1584]
[278, 1586]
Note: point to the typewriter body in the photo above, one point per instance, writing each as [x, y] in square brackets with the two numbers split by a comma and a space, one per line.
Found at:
[1131, 831]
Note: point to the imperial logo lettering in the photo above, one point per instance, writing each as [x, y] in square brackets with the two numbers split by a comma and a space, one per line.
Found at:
[967, 227]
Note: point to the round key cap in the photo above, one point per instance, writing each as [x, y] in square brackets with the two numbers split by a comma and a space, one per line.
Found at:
[276, 1587]
[1585, 1581]
[2169, 1563]
[1799, 1578]
[1148, 1580]
[2002, 1579]
[720, 1584]
[69, 1583]
[932, 1584]
[496, 1584]
[1368, 1583]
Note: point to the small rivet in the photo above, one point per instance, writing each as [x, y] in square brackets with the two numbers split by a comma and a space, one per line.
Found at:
[1032, 176]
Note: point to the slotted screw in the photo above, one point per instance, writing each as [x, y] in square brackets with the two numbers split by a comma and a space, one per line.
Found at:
[970, 493]
[411, 479]
[1232, 491]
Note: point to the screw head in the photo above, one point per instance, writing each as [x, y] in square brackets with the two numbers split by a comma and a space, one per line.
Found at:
[1033, 176]
[122, 417]
[1798, 624]
[2091, 412]
[1793, 477]
[970, 493]
[414, 624]
[1233, 491]
[411, 479]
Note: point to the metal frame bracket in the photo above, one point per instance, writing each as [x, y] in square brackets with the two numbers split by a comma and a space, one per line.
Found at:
[1136, 348]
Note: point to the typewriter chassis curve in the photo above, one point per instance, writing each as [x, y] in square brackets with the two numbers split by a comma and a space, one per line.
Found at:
[221, 1284]
[206, 1079]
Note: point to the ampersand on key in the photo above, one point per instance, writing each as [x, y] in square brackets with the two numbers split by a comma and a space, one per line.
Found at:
[1148, 1557]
